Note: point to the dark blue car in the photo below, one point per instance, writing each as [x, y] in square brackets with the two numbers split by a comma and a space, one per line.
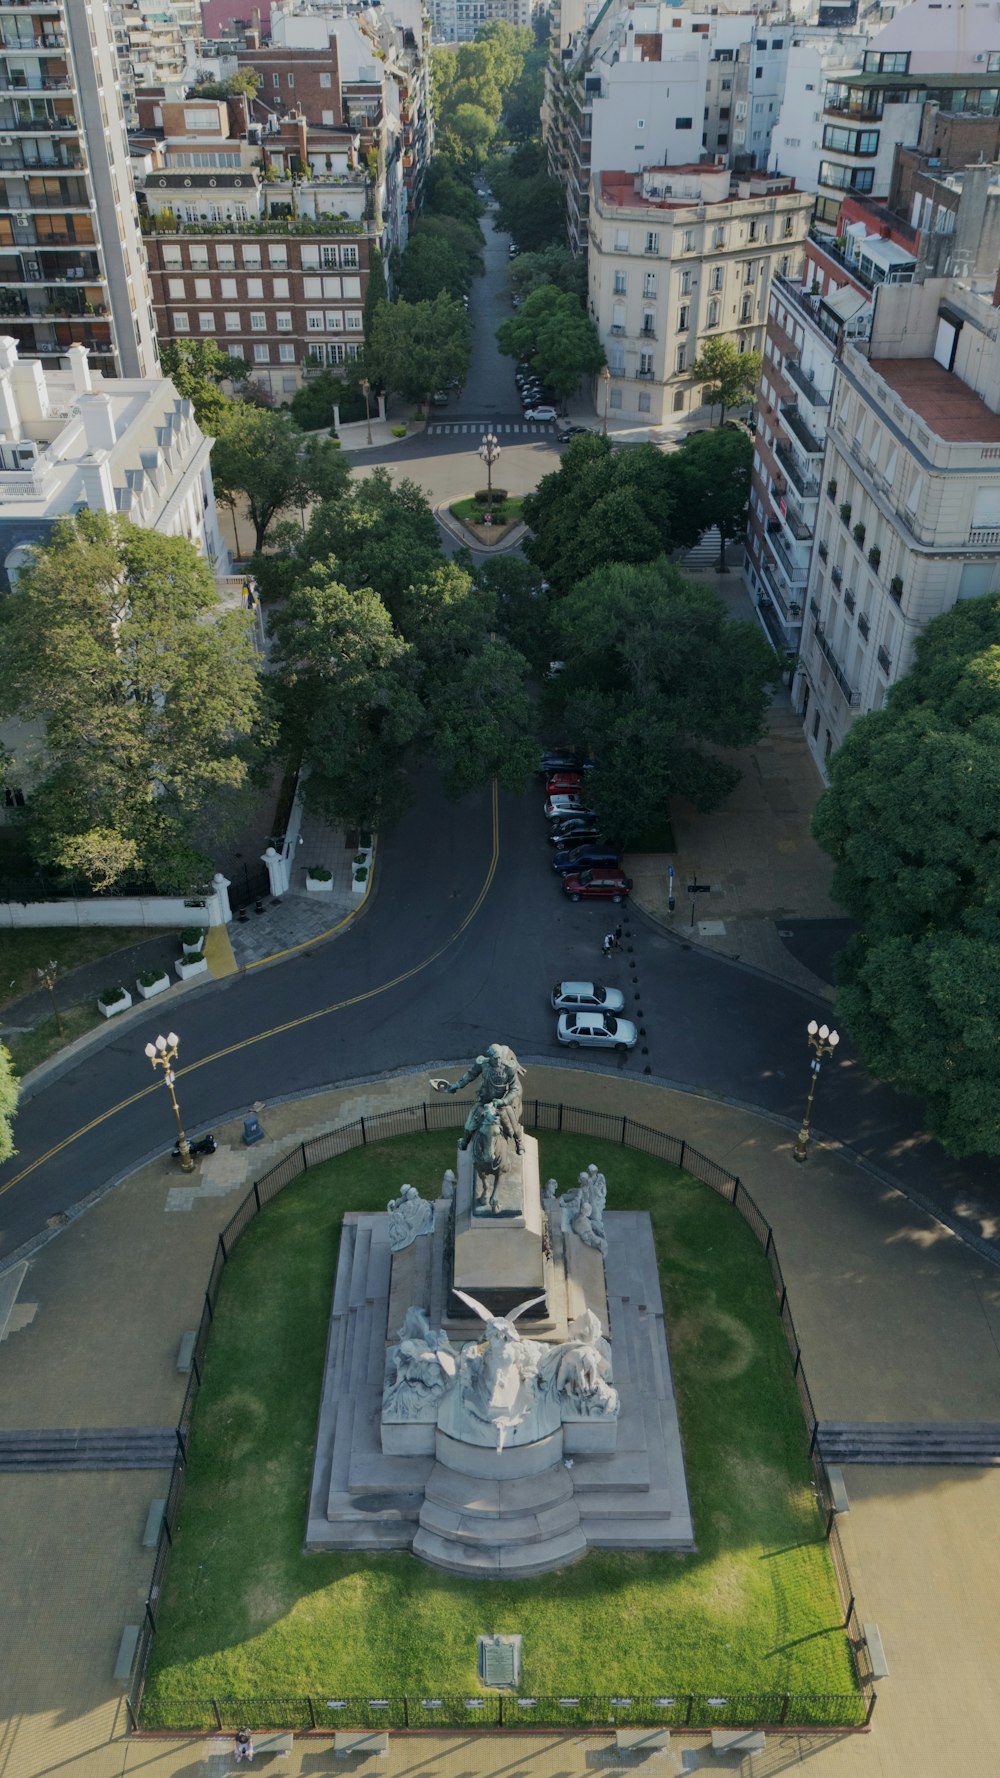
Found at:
[584, 858]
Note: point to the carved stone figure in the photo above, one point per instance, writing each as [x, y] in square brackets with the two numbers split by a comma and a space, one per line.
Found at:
[582, 1209]
[499, 1379]
[499, 1075]
[410, 1215]
[448, 1184]
[489, 1157]
[580, 1371]
[419, 1371]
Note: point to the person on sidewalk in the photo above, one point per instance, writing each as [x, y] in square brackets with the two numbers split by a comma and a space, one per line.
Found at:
[244, 1747]
[610, 943]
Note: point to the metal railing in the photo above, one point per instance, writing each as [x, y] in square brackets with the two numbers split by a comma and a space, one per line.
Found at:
[682, 1708]
[853, 697]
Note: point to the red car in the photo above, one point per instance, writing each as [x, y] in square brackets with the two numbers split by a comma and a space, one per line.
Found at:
[565, 783]
[599, 883]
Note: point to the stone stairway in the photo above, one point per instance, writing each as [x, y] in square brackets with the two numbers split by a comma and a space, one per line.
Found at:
[470, 1525]
[87, 1447]
[874, 1441]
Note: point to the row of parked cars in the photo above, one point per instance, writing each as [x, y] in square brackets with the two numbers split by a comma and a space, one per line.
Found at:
[588, 869]
[538, 402]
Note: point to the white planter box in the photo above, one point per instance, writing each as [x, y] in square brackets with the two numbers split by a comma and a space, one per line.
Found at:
[121, 1005]
[360, 884]
[189, 966]
[157, 988]
[319, 885]
[193, 950]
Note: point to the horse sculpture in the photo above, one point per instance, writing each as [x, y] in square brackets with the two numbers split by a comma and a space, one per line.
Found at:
[489, 1158]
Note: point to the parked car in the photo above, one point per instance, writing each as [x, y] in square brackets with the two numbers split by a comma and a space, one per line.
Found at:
[596, 1030]
[565, 802]
[588, 857]
[565, 784]
[574, 831]
[601, 884]
[587, 997]
[541, 413]
[513, 250]
[439, 398]
[557, 760]
[565, 433]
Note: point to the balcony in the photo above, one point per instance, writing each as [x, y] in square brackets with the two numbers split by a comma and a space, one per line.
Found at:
[850, 600]
[790, 515]
[644, 376]
[864, 627]
[807, 485]
[984, 536]
[884, 659]
[804, 437]
[801, 380]
[853, 697]
[790, 609]
[796, 573]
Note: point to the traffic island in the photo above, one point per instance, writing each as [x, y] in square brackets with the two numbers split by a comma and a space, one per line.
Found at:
[487, 523]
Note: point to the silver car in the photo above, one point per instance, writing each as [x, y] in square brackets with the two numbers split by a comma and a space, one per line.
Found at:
[596, 1030]
[587, 997]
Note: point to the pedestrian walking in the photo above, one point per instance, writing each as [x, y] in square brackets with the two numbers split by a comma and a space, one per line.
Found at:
[244, 1747]
[618, 936]
[609, 943]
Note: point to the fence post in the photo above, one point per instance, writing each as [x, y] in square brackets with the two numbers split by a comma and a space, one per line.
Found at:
[364, 1139]
[406, 1711]
[208, 1305]
[871, 1707]
[683, 1152]
[622, 1138]
[784, 1299]
[559, 1124]
[849, 1612]
[133, 1720]
[814, 1436]
[690, 1707]
[218, 1714]
[222, 1250]
[180, 1444]
[197, 1370]
[305, 1162]
[831, 1515]
[784, 1707]
[151, 1618]
[798, 1362]
[769, 1243]
[256, 1194]
[425, 1116]
[736, 1189]
[312, 1713]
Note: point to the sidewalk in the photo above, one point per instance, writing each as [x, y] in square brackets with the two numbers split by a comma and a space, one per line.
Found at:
[898, 1321]
[301, 916]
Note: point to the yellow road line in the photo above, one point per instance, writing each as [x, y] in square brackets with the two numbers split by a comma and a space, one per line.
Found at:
[320, 936]
[289, 1024]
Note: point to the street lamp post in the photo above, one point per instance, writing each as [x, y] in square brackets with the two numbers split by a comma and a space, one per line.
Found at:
[489, 450]
[47, 977]
[365, 385]
[824, 1042]
[162, 1054]
[606, 374]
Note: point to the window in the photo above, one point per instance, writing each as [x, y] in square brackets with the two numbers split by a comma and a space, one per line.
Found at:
[258, 321]
[993, 62]
[649, 284]
[713, 312]
[286, 354]
[291, 80]
[759, 75]
[283, 322]
[649, 322]
[679, 399]
[727, 86]
[640, 123]
[652, 241]
[616, 398]
[280, 290]
[255, 287]
[206, 323]
[175, 288]
[227, 289]
[645, 364]
[181, 323]
[619, 283]
[850, 141]
[621, 240]
[225, 258]
[682, 123]
[616, 360]
[334, 321]
[752, 230]
[680, 362]
[349, 256]
[314, 321]
[717, 278]
[749, 271]
[353, 319]
[645, 401]
[719, 237]
[262, 354]
[886, 62]
[275, 79]
[846, 178]
[199, 258]
[232, 323]
[683, 316]
[689, 240]
[777, 43]
[746, 308]
[325, 80]
[251, 259]
[277, 259]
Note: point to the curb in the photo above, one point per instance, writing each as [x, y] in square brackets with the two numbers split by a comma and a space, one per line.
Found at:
[757, 969]
[456, 530]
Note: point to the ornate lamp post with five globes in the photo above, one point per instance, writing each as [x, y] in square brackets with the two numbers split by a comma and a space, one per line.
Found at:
[163, 1054]
[823, 1041]
[489, 450]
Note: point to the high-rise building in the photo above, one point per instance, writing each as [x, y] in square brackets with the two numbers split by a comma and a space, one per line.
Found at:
[679, 256]
[457, 21]
[72, 269]
[909, 519]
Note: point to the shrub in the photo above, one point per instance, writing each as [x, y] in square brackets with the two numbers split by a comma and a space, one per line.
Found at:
[192, 937]
[360, 873]
[859, 533]
[110, 996]
[319, 873]
[831, 488]
[845, 511]
[399, 431]
[485, 498]
[150, 977]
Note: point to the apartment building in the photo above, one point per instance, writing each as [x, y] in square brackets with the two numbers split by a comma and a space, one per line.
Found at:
[69, 439]
[71, 263]
[808, 315]
[261, 245]
[909, 518]
[815, 59]
[680, 255]
[948, 56]
[457, 21]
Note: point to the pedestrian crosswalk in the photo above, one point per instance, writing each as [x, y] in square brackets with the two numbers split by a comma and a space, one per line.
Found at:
[444, 429]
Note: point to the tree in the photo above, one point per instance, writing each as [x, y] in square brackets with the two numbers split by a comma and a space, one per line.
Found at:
[9, 1093]
[552, 330]
[260, 453]
[530, 204]
[443, 254]
[523, 104]
[600, 506]
[196, 368]
[521, 605]
[550, 265]
[417, 347]
[655, 669]
[347, 707]
[384, 536]
[711, 477]
[479, 718]
[472, 129]
[910, 820]
[730, 377]
[147, 707]
[376, 292]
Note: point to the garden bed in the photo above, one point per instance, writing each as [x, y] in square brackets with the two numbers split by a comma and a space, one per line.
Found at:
[468, 512]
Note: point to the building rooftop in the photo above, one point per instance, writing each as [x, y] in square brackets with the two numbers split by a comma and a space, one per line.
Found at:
[941, 400]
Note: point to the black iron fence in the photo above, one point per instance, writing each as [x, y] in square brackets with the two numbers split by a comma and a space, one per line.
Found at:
[681, 1710]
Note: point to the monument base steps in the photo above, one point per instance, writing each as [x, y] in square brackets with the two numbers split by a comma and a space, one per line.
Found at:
[513, 1562]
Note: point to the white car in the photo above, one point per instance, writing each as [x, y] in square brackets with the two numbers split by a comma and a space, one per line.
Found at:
[540, 413]
[587, 997]
[596, 1030]
[564, 803]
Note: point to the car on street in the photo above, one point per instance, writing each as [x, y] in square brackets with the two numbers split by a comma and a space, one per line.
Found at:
[603, 883]
[565, 784]
[540, 413]
[586, 857]
[596, 1030]
[559, 759]
[513, 250]
[439, 398]
[565, 802]
[587, 997]
[565, 433]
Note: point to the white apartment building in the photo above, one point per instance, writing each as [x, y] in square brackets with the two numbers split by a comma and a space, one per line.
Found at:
[69, 440]
[71, 264]
[457, 21]
[910, 513]
[815, 58]
[677, 256]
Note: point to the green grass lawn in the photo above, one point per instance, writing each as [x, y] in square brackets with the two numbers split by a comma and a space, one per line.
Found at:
[468, 513]
[248, 1615]
[31, 948]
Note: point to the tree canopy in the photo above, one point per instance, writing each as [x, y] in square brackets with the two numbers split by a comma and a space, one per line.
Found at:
[415, 348]
[147, 707]
[530, 204]
[710, 474]
[600, 506]
[549, 265]
[730, 376]
[9, 1092]
[552, 330]
[196, 368]
[262, 455]
[910, 820]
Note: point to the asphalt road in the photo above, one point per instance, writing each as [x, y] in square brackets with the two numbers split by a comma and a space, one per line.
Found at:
[461, 942]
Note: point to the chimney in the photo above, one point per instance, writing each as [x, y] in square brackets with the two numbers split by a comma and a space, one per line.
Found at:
[98, 422]
[303, 134]
[80, 370]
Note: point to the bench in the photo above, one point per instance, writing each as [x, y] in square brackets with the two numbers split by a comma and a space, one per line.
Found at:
[154, 1519]
[185, 1352]
[277, 1743]
[359, 1741]
[126, 1652]
[738, 1741]
[838, 1492]
[642, 1741]
[876, 1653]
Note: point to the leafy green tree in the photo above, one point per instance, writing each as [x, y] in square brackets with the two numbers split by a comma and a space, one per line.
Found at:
[654, 670]
[730, 377]
[346, 701]
[376, 292]
[523, 104]
[260, 453]
[711, 477]
[910, 820]
[9, 1093]
[555, 266]
[384, 536]
[521, 606]
[531, 206]
[427, 267]
[449, 191]
[417, 347]
[601, 505]
[472, 129]
[196, 368]
[147, 707]
[478, 713]
[552, 330]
